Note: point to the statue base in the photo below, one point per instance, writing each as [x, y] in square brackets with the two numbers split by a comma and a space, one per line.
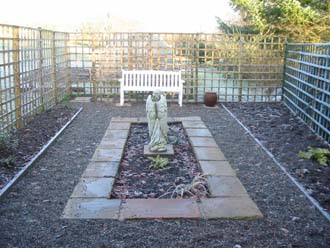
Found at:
[169, 151]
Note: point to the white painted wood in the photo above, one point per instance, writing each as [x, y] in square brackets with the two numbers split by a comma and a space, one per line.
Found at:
[148, 80]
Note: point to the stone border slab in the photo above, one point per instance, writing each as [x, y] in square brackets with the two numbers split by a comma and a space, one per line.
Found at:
[93, 208]
[208, 153]
[160, 208]
[229, 208]
[101, 169]
[222, 186]
[112, 143]
[203, 141]
[93, 188]
[198, 132]
[217, 168]
[228, 199]
[107, 155]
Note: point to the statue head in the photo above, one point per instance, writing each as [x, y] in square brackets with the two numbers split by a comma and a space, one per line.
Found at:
[156, 96]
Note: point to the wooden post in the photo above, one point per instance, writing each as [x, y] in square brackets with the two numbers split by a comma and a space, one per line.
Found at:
[41, 61]
[240, 90]
[67, 65]
[150, 51]
[93, 69]
[197, 40]
[285, 49]
[17, 80]
[53, 63]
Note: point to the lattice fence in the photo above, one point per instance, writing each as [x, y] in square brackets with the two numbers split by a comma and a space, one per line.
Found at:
[38, 67]
[237, 67]
[34, 72]
[307, 84]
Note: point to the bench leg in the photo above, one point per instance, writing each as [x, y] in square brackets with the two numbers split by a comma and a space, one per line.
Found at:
[180, 98]
[121, 98]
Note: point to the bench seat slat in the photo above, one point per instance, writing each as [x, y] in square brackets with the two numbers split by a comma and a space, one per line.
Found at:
[149, 80]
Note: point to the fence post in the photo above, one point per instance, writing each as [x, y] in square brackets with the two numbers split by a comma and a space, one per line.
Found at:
[41, 61]
[53, 63]
[17, 81]
[284, 70]
[196, 68]
[240, 90]
[151, 59]
[67, 64]
[93, 69]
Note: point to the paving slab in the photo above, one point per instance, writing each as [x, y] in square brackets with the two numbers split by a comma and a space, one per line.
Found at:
[124, 105]
[81, 99]
[93, 208]
[189, 118]
[169, 151]
[159, 209]
[101, 169]
[193, 124]
[107, 155]
[217, 168]
[93, 187]
[111, 143]
[198, 132]
[229, 208]
[116, 134]
[223, 186]
[89, 198]
[208, 153]
[123, 119]
[203, 141]
[119, 126]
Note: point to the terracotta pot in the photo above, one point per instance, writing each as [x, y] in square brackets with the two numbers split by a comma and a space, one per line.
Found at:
[210, 99]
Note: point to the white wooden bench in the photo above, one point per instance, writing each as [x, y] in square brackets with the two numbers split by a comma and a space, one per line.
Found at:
[165, 81]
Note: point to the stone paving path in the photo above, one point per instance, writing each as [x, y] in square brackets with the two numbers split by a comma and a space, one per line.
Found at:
[228, 197]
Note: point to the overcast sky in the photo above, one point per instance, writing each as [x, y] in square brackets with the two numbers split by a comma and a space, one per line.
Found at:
[149, 15]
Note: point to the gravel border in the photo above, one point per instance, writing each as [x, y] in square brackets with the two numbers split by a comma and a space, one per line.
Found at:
[30, 214]
[299, 186]
[5, 190]
[285, 135]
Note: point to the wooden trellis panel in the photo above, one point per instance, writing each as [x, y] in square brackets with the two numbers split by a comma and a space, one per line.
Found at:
[39, 67]
[307, 84]
[33, 72]
[237, 67]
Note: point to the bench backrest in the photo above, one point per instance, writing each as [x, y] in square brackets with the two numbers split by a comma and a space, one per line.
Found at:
[149, 80]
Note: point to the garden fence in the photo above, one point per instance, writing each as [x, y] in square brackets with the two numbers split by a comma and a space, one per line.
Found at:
[39, 67]
[306, 87]
[34, 72]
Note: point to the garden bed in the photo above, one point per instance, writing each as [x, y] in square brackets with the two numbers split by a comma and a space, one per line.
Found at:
[285, 136]
[31, 138]
[136, 178]
[31, 215]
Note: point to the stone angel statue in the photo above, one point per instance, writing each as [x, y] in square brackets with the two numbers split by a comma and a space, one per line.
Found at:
[156, 107]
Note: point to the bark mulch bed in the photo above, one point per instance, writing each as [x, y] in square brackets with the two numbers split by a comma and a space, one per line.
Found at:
[31, 138]
[285, 136]
[137, 180]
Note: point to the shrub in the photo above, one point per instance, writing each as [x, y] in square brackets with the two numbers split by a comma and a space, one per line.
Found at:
[7, 149]
[321, 155]
[158, 162]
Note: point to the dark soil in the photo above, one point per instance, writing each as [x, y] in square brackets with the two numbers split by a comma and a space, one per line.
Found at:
[31, 138]
[137, 180]
[285, 136]
[30, 216]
